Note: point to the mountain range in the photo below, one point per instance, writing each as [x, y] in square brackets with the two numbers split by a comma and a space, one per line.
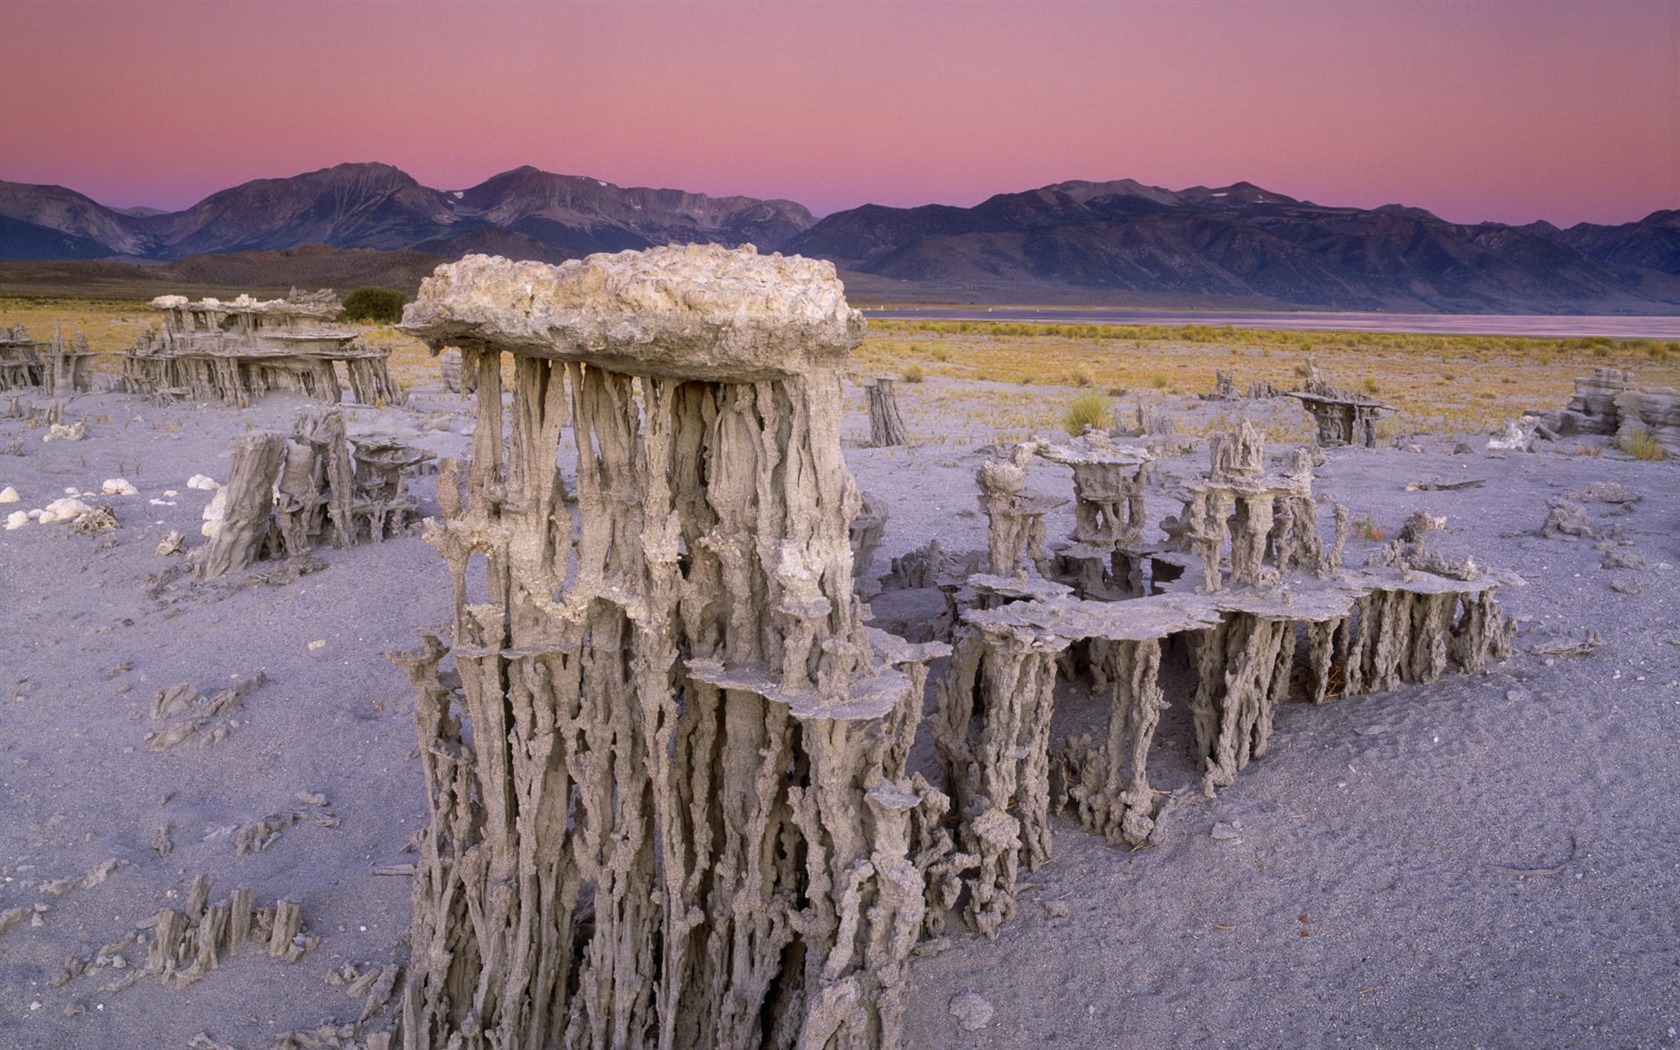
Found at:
[1120, 239]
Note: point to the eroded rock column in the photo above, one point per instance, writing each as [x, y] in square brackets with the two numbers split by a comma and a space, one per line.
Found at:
[992, 732]
[668, 796]
[1108, 782]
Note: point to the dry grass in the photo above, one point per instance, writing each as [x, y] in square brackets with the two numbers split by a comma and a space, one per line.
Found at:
[1642, 444]
[1023, 374]
[1438, 383]
[1089, 409]
[111, 325]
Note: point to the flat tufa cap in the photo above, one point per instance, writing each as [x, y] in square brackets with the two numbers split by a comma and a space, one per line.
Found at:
[700, 311]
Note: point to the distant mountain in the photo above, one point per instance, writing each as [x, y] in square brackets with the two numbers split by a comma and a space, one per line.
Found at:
[34, 218]
[580, 216]
[534, 213]
[1122, 239]
[348, 206]
[1652, 243]
[1238, 240]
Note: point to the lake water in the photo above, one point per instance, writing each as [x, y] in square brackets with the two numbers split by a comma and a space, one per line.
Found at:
[1618, 327]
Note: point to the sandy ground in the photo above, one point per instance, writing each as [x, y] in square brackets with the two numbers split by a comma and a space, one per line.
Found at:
[1367, 886]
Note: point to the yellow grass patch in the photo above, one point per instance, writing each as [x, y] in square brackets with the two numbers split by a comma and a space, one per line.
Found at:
[1438, 383]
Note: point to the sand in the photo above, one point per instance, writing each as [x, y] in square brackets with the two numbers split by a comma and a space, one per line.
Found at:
[1491, 861]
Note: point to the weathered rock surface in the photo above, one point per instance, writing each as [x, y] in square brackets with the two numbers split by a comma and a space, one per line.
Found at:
[1610, 401]
[1286, 600]
[239, 350]
[669, 799]
[693, 312]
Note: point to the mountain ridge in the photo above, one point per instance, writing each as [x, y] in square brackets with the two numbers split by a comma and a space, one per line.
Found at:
[1116, 237]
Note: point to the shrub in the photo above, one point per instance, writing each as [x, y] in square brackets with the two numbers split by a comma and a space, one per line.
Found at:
[912, 373]
[1367, 529]
[374, 304]
[1089, 409]
[1642, 444]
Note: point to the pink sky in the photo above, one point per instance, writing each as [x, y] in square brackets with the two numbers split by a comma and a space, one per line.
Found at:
[1502, 111]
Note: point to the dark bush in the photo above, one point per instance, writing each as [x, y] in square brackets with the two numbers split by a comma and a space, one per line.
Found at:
[374, 304]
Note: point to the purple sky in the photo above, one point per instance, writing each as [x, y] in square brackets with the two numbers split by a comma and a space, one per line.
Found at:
[1503, 111]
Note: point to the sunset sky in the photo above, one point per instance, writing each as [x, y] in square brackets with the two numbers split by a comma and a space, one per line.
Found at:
[1502, 111]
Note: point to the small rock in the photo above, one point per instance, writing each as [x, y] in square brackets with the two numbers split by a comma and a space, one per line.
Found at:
[1567, 519]
[1606, 492]
[1225, 833]
[925, 950]
[971, 1011]
[170, 544]
[213, 514]
[96, 519]
[1620, 559]
[67, 509]
[118, 487]
[9, 495]
[1054, 909]
[58, 432]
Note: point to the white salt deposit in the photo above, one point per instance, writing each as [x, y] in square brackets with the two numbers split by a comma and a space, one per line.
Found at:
[67, 509]
[8, 495]
[213, 514]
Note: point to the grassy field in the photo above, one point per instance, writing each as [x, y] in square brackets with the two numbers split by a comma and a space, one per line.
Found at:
[1021, 377]
[1437, 383]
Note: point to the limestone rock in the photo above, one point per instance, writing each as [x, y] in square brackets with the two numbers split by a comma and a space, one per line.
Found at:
[971, 1011]
[684, 793]
[1517, 436]
[239, 350]
[694, 312]
[67, 509]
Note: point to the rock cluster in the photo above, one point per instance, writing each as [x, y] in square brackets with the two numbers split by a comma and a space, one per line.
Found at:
[56, 368]
[1610, 402]
[286, 497]
[239, 350]
[1270, 592]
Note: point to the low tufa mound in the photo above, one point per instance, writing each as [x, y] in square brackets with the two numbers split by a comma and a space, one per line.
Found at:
[694, 312]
